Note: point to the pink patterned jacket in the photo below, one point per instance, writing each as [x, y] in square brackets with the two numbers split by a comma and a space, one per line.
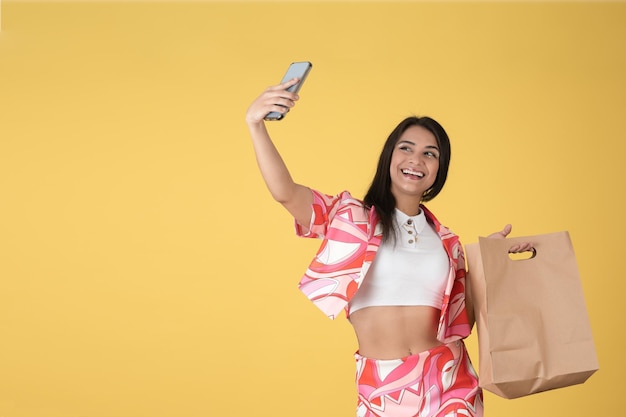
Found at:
[352, 235]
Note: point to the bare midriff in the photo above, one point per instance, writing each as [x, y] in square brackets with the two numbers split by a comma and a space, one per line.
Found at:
[393, 332]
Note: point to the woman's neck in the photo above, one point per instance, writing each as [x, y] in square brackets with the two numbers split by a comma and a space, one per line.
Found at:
[409, 206]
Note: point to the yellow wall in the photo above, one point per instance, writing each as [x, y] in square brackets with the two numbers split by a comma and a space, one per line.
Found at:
[146, 272]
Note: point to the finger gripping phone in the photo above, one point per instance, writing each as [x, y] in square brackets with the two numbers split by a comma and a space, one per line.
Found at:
[296, 70]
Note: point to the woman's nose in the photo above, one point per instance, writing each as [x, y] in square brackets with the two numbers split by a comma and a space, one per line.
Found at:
[414, 159]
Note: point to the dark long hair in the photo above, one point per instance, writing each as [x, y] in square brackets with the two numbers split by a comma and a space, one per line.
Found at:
[379, 194]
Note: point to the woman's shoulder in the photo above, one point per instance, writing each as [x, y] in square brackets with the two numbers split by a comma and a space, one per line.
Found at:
[343, 198]
[443, 231]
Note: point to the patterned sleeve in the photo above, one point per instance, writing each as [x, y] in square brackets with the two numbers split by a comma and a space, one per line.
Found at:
[324, 208]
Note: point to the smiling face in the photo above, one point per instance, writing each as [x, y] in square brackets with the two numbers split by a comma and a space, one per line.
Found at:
[414, 166]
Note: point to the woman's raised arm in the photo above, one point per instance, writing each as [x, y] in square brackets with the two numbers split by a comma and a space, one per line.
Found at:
[296, 198]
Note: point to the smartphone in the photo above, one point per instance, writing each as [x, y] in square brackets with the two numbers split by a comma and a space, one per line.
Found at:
[296, 70]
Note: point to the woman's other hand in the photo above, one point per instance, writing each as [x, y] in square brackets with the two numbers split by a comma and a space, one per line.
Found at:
[521, 247]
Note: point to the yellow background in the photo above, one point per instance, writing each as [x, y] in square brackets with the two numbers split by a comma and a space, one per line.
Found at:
[146, 272]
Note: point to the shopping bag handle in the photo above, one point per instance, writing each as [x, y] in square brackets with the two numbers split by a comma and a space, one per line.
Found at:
[523, 255]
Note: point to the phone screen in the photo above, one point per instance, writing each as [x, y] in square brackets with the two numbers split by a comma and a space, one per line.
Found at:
[296, 70]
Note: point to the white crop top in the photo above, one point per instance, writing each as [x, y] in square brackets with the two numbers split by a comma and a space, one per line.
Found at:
[411, 272]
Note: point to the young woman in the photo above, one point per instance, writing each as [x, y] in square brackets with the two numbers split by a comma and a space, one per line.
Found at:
[388, 262]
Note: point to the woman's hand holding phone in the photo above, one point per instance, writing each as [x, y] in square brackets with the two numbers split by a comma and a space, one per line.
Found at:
[274, 99]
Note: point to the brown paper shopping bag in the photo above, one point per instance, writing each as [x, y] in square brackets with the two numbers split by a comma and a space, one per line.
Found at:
[533, 330]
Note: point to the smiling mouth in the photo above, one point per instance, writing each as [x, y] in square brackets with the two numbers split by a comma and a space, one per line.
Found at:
[416, 174]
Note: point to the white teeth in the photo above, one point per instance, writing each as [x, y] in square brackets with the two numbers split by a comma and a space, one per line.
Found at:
[411, 172]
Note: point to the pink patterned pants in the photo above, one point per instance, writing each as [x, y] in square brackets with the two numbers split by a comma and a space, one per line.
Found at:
[440, 382]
